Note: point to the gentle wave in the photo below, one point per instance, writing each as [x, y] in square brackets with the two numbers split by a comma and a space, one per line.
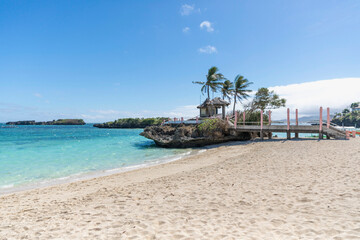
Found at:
[6, 189]
[36, 155]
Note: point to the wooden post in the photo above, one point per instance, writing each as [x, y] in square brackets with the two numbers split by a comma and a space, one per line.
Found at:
[288, 124]
[321, 124]
[288, 119]
[297, 117]
[328, 118]
[261, 123]
[270, 133]
[244, 118]
[297, 122]
[235, 123]
[197, 119]
[269, 117]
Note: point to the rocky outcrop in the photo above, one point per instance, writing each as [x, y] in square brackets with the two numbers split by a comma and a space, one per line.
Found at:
[54, 122]
[185, 136]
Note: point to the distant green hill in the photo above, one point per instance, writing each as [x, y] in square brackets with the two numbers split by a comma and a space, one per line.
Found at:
[132, 123]
[348, 117]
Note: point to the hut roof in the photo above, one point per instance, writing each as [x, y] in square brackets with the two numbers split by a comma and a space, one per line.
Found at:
[216, 102]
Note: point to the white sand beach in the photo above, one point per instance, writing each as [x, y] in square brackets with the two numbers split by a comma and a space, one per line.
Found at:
[305, 189]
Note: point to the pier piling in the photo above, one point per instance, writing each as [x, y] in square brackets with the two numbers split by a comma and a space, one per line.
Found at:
[262, 124]
[288, 124]
[244, 117]
[297, 122]
[321, 136]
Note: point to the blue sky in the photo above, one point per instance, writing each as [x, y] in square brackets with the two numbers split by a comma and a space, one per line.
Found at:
[102, 60]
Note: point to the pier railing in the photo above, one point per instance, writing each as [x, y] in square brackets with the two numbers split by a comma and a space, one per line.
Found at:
[322, 127]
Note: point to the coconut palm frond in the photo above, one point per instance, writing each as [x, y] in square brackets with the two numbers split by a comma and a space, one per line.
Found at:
[241, 89]
[198, 82]
[213, 81]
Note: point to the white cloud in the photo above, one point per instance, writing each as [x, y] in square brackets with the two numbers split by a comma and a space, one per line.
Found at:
[187, 9]
[208, 49]
[308, 97]
[106, 112]
[110, 115]
[207, 25]
[186, 29]
[187, 111]
[89, 118]
[38, 95]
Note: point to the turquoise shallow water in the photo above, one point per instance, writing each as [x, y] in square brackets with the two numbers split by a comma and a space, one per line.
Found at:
[32, 155]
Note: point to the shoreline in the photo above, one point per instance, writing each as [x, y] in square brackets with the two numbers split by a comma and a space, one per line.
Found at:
[275, 189]
[79, 177]
[4, 190]
[117, 172]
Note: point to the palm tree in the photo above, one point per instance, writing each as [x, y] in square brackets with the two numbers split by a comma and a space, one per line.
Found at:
[240, 90]
[227, 90]
[213, 81]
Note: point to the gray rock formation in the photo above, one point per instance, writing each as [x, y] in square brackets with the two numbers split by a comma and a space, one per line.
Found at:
[185, 136]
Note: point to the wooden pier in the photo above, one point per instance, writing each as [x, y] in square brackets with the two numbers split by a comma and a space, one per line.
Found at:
[323, 129]
[330, 132]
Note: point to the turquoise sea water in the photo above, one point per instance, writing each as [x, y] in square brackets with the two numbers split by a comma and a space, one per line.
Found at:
[34, 155]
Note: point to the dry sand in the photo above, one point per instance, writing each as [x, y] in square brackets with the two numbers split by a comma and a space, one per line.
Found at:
[277, 189]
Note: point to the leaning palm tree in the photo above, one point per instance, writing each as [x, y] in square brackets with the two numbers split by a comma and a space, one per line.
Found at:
[227, 90]
[213, 81]
[240, 89]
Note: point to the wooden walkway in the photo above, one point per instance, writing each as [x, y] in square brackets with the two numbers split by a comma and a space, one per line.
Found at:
[330, 132]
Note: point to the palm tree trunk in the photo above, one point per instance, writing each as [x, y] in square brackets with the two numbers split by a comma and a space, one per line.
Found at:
[234, 103]
[208, 90]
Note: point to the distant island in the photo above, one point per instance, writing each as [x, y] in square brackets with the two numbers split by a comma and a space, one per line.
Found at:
[132, 123]
[54, 122]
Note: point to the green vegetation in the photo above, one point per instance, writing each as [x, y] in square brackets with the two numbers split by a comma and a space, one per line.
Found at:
[266, 99]
[132, 123]
[209, 125]
[254, 118]
[355, 105]
[212, 127]
[227, 90]
[67, 122]
[213, 81]
[347, 117]
[53, 122]
[241, 89]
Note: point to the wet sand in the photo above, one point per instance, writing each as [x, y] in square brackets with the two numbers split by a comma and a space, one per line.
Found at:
[306, 189]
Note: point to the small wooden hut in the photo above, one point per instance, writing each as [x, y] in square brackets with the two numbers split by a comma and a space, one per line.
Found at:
[210, 108]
